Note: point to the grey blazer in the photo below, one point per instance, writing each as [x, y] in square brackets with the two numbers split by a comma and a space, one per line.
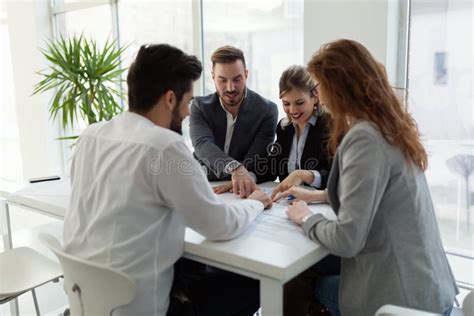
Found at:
[254, 131]
[386, 231]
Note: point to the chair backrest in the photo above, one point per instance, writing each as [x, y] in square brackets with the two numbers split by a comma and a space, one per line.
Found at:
[393, 310]
[468, 304]
[92, 289]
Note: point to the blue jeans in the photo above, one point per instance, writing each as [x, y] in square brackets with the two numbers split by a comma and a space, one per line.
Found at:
[448, 311]
[327, 291]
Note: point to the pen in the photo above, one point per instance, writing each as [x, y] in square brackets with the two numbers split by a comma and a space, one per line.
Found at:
[43, 179]
[290, 197]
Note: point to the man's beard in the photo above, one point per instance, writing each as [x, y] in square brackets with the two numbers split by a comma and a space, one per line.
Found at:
[176, 121]
[234, 102]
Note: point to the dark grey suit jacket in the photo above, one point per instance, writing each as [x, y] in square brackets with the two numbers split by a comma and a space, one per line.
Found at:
[254, 131]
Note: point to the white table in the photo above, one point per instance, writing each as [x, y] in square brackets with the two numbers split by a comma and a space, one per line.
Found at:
[273, 250]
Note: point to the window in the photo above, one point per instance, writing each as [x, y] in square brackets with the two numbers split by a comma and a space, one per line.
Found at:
[440, 96]
[169, 22]
[440, 70]
[159, 22]
[270, 33]
[94, 22]
[10, 159]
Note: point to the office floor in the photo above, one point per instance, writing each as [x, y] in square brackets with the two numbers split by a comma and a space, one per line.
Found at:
[52, 300]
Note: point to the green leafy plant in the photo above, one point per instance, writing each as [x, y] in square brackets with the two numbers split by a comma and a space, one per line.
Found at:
[85, 79]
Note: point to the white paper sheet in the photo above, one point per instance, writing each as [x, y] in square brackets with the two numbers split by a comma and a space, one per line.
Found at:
[274, 224]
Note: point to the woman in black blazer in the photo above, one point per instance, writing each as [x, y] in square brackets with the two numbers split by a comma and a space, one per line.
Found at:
[299, 153]
[298, 156]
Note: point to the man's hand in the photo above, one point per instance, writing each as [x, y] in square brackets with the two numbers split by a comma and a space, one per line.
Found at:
[298, 211]
[223, 188]
[242, 182]
[261, 196]
[294, 179]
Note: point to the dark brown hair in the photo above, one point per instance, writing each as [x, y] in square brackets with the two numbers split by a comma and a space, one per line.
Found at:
[226, 55]
[157, 69]
[355, 85]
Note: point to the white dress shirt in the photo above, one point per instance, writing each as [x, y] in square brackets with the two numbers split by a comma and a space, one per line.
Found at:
[230, 123]
[230, 131]
[296, 151]
[230, 128]
[135, 187]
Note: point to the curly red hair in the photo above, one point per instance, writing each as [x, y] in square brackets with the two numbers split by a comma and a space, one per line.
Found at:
[355, 86]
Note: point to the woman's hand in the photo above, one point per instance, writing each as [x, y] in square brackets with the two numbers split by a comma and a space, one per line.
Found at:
[297, 211]
[302, 194]
[299, 193]
[223, 188]
[294, 179]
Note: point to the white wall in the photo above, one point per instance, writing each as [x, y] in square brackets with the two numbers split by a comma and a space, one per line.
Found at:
[373, 23]
[29, 24]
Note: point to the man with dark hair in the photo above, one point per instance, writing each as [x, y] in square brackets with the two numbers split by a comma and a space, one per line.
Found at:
[136, 186]
[232, 128]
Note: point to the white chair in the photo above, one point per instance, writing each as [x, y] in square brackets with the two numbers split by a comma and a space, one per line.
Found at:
[468, 304]
[392, 310]
[23, 269]
[92, 289]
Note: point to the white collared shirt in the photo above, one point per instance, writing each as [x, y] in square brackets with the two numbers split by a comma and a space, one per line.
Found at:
[230, 129]
[135, 187]
[296, 151]
[230, 123]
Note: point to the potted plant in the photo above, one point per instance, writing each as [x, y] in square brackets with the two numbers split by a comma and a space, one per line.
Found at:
[85, 80]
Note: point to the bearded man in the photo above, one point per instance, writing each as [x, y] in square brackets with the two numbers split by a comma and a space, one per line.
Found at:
[232, 128]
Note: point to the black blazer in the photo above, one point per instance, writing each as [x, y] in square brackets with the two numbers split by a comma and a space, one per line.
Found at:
[254, 132]
[314, 157]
